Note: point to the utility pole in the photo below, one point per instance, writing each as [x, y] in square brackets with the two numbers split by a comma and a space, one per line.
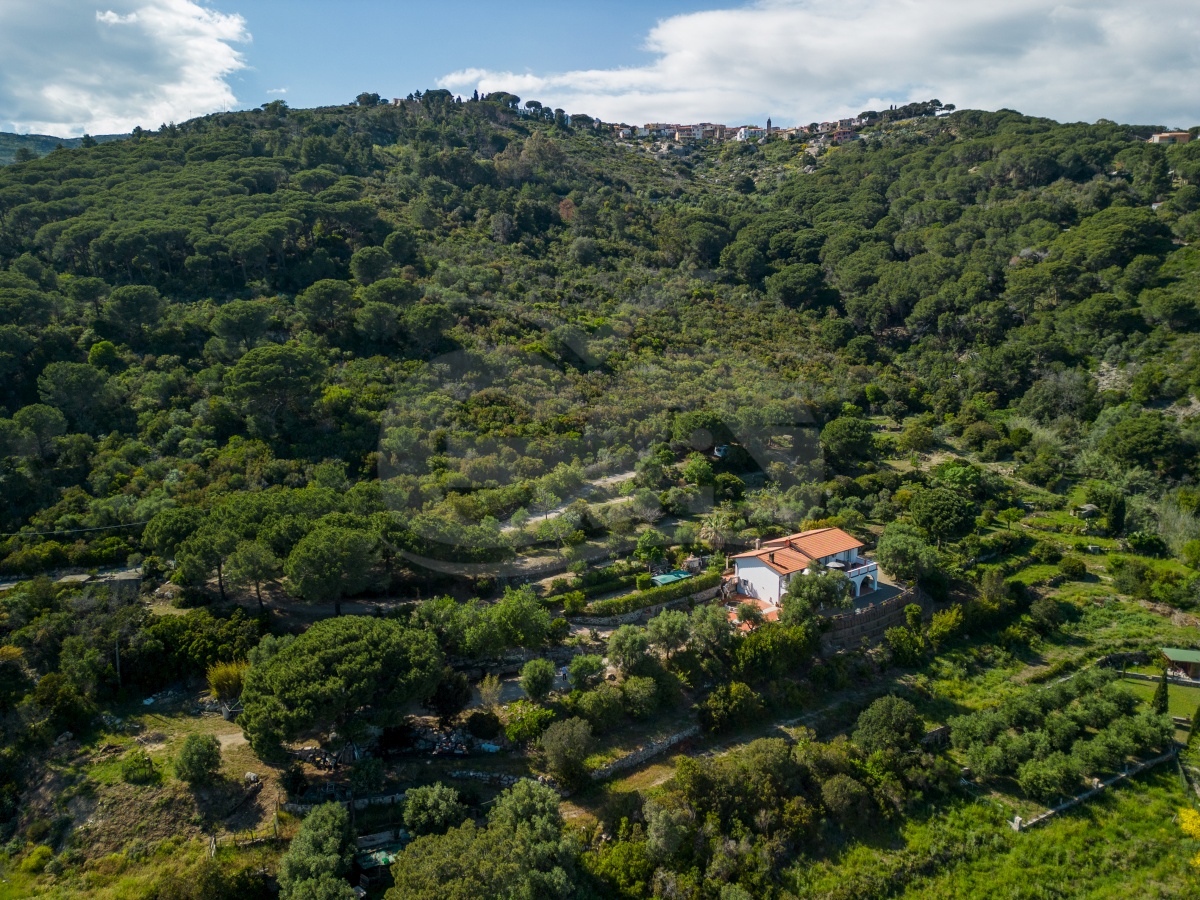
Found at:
[117, 647]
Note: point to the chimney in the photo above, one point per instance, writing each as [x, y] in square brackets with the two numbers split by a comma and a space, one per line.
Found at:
[758, 543]
[771, 556]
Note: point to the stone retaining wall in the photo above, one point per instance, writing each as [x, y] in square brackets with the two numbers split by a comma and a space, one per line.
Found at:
[635, 759]
[303, 809]
[848, 630]
[1019, 824]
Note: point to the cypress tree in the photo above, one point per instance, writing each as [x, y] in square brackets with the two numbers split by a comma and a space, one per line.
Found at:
[1161, 698]
[1115, 514]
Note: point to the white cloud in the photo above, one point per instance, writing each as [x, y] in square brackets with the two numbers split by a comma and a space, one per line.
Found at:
[71, 66]
[805, 60]
[277, 91]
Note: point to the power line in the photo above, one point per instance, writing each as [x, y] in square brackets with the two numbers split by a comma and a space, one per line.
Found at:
[71, 530]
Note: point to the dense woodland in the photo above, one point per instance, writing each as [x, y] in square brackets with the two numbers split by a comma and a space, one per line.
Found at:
[356, 351]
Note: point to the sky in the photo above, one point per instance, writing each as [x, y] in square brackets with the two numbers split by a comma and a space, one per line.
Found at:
[103, 66]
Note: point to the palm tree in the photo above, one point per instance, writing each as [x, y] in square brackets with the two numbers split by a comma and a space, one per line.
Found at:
[718, 527]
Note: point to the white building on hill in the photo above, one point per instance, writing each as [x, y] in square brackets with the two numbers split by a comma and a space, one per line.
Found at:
[764, 574]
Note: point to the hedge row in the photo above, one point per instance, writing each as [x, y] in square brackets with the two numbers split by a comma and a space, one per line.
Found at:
[617, 606]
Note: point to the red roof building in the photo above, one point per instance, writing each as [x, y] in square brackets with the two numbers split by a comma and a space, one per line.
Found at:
[765, 572]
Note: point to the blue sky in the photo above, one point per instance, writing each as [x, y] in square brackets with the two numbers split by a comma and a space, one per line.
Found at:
[104, 66]
[397, 47]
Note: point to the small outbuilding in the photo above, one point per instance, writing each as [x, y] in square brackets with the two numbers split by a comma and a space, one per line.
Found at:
[1185, 662]
[1087, 511]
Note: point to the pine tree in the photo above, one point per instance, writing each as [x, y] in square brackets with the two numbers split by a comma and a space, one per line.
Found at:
[1161, 697]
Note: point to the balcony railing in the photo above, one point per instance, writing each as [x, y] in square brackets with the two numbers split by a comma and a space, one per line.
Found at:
[865, 569]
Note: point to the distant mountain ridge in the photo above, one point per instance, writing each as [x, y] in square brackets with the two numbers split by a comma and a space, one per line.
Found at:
[41, 144]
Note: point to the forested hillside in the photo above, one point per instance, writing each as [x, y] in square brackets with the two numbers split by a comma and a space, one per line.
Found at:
[19, 147]
[356, 351]
[467, 306]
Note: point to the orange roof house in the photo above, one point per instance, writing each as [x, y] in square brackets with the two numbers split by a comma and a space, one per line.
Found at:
[764, 573]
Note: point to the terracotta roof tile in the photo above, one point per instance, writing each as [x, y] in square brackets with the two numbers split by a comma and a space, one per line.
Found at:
[796, 552]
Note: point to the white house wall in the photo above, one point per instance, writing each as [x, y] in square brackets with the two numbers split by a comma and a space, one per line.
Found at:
[757, 579]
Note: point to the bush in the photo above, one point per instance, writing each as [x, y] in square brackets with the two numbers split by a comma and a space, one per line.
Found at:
[295, 782]
[603, 707]
[1147, 544]
[617, 606]
[729, 706]
[526, 721]
[1049, 779]
[225, 679]
[199, 759]
[537, 679]
[433, 809]
[628, 648]
[137, 767]
[37, 860]
[645, 582]
[565, 746]
[483, 724]
[1073, 567]
[574, 602]
[640, 695]
[1046, 614]
[888, 724]
[366, 777]
[846, 799]
[1045, 552]
[584, 670]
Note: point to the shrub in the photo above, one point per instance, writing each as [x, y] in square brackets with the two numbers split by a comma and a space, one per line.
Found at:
[1045, 552]
[584, 670]
[729, 706]
[574, 602]
[617, 606]
[1046, 614]
[137, 767]
[366, 777]
[603, 707]
[526, 721]
[295, 782]
[537, 679]
[1048, 779]
[199, 759]
[1147, 544]
[1072, 567]
[225, 679]
[640, 695]
[846, 799]
[628, 648]
[565, 746]
[645, 582]
[888, 724]
[37, 860]
[319, 856]
[483, 724]
[433, 809]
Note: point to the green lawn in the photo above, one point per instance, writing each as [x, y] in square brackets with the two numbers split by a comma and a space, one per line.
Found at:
[1182, 701]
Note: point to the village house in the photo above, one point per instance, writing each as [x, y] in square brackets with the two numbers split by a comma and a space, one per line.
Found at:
[763, 574]
[1171, 137]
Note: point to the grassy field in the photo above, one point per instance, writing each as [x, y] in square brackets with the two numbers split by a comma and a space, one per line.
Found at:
[1123, 845]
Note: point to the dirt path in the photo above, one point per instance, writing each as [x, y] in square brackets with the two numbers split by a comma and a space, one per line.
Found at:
[588, 487]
